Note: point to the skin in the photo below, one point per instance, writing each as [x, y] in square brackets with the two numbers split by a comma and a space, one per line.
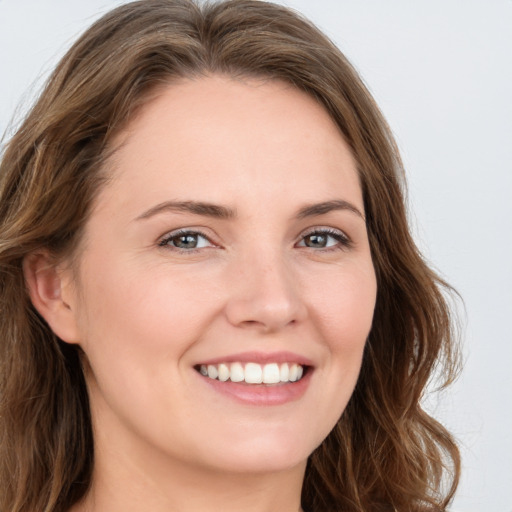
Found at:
[146, 312]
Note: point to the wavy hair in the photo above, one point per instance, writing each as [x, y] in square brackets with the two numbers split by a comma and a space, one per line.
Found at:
[385, 453]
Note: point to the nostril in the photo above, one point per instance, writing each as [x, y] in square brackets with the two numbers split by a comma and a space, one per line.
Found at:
[263, 313]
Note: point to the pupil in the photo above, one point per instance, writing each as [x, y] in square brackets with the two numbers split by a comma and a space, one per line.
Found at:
[187, 241]
[316, 241]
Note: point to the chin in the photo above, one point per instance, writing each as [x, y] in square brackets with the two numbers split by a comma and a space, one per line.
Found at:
[260, 463]
[262, 454]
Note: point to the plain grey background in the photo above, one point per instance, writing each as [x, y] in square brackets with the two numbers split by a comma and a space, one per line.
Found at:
[441, 71]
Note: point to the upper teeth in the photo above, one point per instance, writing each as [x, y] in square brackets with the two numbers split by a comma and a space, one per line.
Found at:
[253, 373]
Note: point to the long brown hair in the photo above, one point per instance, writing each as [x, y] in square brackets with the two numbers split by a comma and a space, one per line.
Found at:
[385, 453]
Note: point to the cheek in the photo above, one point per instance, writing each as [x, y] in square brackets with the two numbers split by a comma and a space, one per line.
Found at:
[139, 325]
[342, 313]
[343, 307]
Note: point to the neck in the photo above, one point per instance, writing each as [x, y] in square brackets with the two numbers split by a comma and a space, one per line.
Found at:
[142, 473]
[193, 491]
[126, 481]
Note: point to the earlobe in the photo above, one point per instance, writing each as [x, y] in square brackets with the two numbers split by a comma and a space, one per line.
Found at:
[46, 284]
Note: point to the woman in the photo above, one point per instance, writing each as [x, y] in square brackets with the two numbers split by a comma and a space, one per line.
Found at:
[210, 296]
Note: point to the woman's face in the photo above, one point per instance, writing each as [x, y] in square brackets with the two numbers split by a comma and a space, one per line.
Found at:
[231, 241]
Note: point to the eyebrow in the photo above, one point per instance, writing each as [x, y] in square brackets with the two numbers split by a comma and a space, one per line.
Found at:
[195, 207]
[224, 212]
[328, 206]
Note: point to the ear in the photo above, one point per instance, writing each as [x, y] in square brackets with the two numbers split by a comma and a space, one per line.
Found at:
[52, 293]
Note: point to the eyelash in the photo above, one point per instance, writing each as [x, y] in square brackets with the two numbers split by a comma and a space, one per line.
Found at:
[165, 242]
[343, 240]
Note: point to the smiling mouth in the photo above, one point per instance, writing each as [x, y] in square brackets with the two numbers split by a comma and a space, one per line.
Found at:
[254, 373]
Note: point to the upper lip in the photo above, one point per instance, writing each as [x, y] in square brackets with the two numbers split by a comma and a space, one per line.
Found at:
[260, 358]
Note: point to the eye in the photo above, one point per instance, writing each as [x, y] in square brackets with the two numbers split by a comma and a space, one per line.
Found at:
[324, 239]
[186, 240]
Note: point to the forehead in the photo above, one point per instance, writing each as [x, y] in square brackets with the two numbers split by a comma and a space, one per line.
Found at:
[220, 136]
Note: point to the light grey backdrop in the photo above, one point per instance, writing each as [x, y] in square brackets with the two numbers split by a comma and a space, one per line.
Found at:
[441, 70]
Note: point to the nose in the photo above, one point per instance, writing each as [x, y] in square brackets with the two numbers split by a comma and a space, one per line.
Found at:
[264, 295]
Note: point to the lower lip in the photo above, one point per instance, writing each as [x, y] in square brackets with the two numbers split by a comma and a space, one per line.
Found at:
[261, 394]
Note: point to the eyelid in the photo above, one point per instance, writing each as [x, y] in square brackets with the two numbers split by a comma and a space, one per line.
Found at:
[343, 239]
[338, 234]
[164, 240]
